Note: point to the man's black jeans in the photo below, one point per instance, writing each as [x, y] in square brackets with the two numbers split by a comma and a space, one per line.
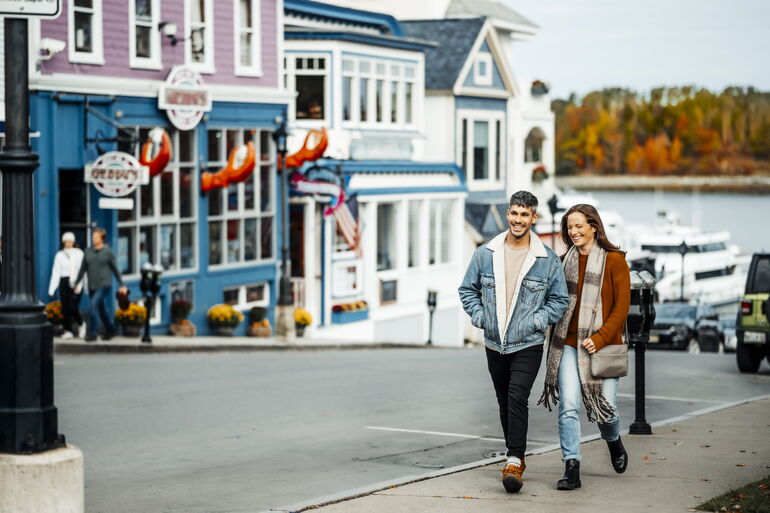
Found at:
[513, 375]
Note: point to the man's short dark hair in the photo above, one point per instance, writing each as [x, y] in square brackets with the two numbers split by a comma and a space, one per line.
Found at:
[524, 199]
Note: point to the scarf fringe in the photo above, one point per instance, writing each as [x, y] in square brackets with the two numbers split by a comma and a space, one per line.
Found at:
[597, 407]
[550, 394]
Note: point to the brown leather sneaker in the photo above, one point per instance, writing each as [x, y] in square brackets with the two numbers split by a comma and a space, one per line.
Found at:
[512, 477]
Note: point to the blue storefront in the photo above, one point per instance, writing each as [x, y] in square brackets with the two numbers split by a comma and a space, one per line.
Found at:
[215, 247]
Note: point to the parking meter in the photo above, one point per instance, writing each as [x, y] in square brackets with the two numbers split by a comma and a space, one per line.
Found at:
[641, 315]
[432, 295]
[150, 286]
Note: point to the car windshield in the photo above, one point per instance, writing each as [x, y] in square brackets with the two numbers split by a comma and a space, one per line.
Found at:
[674, 311]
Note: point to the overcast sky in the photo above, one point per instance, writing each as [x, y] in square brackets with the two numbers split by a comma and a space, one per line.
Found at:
[585, 45]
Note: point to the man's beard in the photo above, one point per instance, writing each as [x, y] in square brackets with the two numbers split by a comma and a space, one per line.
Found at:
[518, 237]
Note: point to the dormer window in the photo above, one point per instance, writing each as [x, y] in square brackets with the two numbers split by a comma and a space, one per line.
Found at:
[482, 70]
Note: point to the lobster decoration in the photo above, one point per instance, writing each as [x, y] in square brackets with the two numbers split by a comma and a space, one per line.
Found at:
[159, 143]
[314, 147]
[240, 165]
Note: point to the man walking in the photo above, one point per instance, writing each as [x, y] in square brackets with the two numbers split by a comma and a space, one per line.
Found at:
[513, 289]
[99, 263]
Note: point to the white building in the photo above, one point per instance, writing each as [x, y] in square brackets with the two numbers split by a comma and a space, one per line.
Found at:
[359, 75]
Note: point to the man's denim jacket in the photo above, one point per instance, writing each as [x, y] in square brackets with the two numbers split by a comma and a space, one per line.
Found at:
[540, 297]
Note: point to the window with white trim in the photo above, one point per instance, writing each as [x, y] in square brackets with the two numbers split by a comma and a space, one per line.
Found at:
[481, 151]
[440, 231]
[247, 34]
[533, 146]
[414, 222]
[84, 18]
[247, 295]
[378, 92]
[162, 226]
[199, 43]
[386, 236]
[482, 69]
[241, 217]
[307, 74]
[143, 34]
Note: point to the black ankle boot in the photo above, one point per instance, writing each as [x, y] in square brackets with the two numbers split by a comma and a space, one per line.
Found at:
[618, 456]
[571, 479]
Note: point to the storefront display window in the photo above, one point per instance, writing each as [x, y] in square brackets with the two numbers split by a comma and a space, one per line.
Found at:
[161, 226]
[241, 217]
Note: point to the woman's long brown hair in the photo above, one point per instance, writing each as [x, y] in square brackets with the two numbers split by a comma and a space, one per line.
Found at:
[593, 218]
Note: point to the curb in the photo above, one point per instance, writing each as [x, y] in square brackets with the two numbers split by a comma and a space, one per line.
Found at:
[378, 487]
[80, 348]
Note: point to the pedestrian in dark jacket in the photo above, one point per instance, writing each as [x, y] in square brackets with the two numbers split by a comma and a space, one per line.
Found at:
[99, 264]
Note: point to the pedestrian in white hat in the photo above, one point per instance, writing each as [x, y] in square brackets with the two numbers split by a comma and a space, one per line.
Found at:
[66, 265]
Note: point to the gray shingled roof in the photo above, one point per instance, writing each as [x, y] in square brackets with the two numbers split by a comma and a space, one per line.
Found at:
[455, 37]
[491, 9]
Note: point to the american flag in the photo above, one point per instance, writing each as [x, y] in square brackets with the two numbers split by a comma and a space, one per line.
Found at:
[349, 223]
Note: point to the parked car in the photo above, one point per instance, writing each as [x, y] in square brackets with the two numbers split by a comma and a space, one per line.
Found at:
[685, 326]
[753, 324]
[729, 336]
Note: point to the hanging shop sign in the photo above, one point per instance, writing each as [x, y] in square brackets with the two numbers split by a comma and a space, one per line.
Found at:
[240, 164]
[116, 174]
[184, 97]
[156, 151]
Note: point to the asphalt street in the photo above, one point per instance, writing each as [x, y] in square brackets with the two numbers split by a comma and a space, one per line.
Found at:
[237, 432]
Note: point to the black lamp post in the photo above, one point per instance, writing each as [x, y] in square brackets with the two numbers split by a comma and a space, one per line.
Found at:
[150, 287]
[28, 417]
[432, 294]
[553, 207]
[284, 322]
[683, 249]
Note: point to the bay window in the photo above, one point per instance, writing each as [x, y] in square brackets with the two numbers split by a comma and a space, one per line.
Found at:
[308, 76]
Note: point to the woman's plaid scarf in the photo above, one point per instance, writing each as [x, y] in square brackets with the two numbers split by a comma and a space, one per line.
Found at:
[596, 405]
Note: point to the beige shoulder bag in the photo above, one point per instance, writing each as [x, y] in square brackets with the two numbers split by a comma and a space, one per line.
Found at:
[611, 361]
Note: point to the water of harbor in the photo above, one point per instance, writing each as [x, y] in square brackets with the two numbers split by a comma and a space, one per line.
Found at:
[745, 216]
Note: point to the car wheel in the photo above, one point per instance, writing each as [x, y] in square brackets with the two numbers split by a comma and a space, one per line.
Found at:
[748, 357]
[694, 346]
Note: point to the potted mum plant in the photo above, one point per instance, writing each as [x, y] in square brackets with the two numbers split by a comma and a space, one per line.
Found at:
[131, 319]
[55, 316]
[180, 326]
[301, 319]
[224, 318]
[259, 324]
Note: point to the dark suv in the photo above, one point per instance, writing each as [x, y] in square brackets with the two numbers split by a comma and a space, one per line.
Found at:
[753, 324]
[684, 326]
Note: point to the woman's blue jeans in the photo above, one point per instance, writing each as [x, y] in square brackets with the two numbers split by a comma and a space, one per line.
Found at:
[99, 298]
[569, 406]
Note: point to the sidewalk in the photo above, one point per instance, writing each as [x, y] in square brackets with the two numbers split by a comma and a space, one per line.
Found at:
[169, 344]
[680, 466]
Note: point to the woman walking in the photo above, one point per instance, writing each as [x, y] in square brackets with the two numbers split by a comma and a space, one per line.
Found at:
[66, 265]
[598, 282]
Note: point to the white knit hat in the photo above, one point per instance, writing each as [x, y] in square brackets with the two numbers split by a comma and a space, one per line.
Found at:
[68, 236]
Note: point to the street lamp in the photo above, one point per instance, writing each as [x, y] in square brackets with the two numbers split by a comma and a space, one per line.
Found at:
[683, 249]
[553, 206]
[28, 417]
[431, 309]
[284, 314]
[150, 286]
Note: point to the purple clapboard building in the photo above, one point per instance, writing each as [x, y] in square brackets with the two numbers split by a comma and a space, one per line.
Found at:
[105, 73]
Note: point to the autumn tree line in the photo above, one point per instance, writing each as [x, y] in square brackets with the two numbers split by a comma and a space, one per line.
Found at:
[674, 130]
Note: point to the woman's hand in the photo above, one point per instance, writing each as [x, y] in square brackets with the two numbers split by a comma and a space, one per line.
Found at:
[589, 345]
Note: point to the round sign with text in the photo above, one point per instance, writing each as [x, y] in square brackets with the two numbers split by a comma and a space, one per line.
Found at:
[116, 174]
